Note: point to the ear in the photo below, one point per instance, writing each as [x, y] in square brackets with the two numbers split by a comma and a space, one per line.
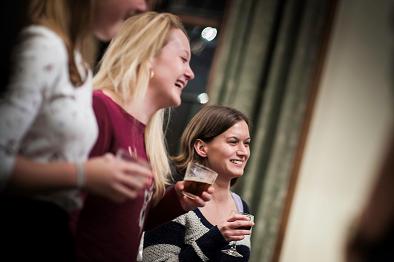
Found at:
[201, 148]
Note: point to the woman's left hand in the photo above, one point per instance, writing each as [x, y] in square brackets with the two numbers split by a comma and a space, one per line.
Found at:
[190, 204]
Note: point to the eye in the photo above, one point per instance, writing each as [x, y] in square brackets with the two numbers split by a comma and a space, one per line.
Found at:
[232, 142]
[184, 59]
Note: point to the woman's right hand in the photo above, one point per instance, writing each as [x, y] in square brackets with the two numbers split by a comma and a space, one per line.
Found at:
[114, 178]
[232, 230]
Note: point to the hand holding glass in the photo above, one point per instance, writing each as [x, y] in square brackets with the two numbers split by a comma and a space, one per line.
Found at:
[232, 251]
[131, 156]
[197, 179]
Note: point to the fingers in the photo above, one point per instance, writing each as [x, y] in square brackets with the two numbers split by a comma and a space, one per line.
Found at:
[237, 238]
[236, 230]
[123, 193]
[210, 189]
[230, 236]
[236, 217]
[207, 195]
[127, 187]
[179, 186]
[135, 168]
[234, 235]
[108, 156]
[134, 182]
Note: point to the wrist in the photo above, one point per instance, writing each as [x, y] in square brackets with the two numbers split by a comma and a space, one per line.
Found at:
[80, 175]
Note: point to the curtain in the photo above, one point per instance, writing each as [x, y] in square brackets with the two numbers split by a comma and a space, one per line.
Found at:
[265, 65]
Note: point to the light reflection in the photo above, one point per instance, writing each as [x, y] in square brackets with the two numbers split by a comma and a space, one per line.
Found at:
[209, 33]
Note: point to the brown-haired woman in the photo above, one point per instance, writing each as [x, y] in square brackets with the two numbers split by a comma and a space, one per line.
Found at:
[217, 137]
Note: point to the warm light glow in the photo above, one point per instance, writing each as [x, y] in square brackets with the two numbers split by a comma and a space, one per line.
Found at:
[209, 33]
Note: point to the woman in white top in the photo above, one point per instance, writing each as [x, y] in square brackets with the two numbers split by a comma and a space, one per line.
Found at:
[47, 128]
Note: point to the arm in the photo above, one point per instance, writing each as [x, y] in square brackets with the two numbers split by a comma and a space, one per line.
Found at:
[111, 180]
[175, 204]
[168, 243]
[37, 62]
[205, 248]
[170, 203]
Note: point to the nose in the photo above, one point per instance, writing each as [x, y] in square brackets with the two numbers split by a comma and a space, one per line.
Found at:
[189, 73]
[243, 150]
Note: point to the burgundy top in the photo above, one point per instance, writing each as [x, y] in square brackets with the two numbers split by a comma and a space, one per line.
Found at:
[108, 231]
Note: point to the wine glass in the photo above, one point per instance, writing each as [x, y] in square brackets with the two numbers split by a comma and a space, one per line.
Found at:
[232, 251]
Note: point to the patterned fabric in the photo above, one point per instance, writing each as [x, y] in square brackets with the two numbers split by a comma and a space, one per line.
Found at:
[43, 116]
[190, 237]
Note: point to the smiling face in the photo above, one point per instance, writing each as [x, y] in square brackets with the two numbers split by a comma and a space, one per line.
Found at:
[171, 70]
[229, 152]
[110, 14]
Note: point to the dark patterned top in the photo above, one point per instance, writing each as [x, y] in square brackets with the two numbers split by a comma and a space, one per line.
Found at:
[191, 237]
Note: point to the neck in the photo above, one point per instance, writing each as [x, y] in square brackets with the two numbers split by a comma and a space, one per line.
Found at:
[141, 109]
[221, 205]
[222, 191]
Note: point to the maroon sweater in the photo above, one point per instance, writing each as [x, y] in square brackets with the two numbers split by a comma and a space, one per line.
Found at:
[108, 231]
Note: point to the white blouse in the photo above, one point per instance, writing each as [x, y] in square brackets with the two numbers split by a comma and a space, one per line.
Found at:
[43, 116]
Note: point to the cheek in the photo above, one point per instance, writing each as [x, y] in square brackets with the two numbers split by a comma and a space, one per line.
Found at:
[161, 81]
[222, 156]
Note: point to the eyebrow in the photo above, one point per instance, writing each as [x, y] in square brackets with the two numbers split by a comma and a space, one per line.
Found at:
[187, 53]
[235, 137]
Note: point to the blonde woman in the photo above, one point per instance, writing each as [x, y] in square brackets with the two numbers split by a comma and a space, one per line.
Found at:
[143, 72]
[47, 128]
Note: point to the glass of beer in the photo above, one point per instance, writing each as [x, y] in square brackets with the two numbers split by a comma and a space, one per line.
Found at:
[197, 179]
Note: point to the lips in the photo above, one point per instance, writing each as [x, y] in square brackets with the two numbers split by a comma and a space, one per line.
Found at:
[237, 162]
[180, 84]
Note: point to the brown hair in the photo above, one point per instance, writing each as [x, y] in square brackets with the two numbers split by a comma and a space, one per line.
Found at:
[71, 20]
[207, 124]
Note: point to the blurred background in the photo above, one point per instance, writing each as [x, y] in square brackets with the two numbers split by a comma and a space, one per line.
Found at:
[316, 80]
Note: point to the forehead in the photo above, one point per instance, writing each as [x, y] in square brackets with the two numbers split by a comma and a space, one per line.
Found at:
[239, 130]
[178, 40]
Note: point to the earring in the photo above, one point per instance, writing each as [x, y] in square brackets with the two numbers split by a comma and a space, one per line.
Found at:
[152, 74]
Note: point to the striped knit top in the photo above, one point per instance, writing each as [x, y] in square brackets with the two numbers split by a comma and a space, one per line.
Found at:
[191, 237]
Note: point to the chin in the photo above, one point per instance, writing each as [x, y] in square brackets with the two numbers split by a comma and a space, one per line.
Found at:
[238, 173]
[177, 102]
[108, 32]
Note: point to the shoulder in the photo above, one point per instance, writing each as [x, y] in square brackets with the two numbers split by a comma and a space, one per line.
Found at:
[99, 98]
[182, 219]
[39, 60]
[241, 204]
[42, 42]
[101, 105]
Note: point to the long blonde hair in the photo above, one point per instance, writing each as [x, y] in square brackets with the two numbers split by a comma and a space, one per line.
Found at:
[72, 21]
[125, 70]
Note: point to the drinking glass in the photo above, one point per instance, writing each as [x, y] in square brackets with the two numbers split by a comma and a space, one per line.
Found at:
[131, 156]
[232, 251]
[197, 179]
